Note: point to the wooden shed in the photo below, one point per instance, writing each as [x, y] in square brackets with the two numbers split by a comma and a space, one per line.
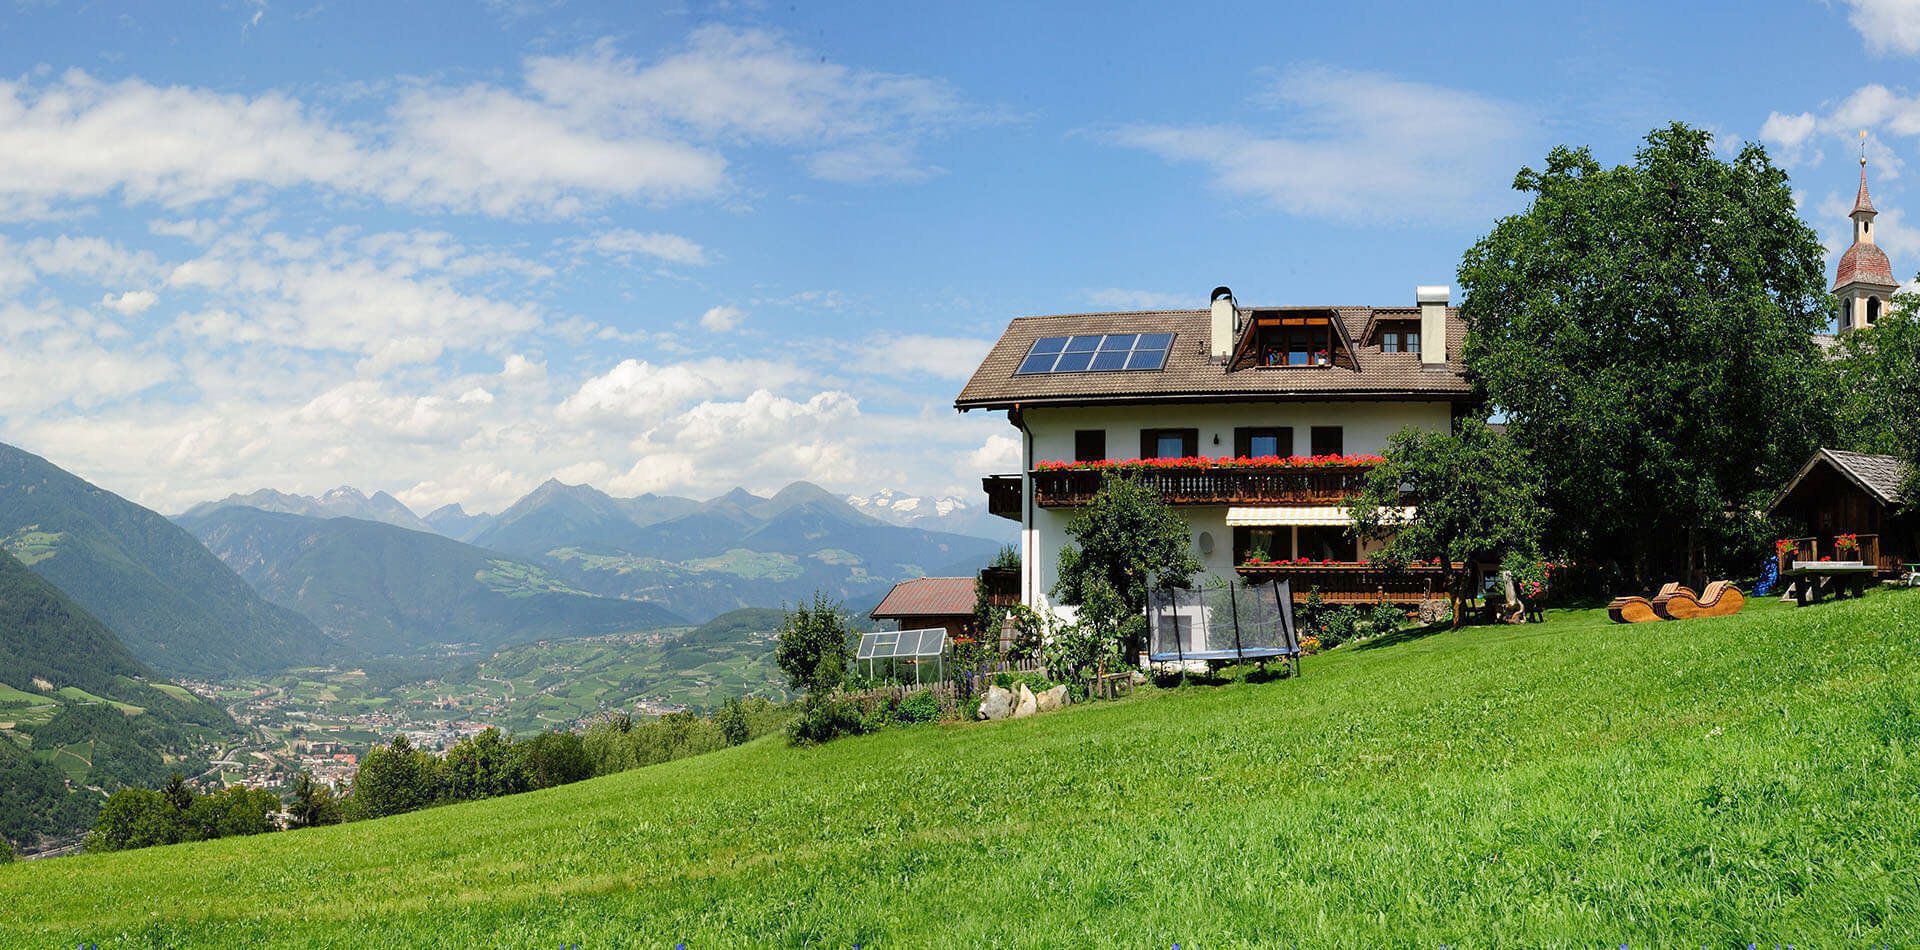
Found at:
[1838, 493]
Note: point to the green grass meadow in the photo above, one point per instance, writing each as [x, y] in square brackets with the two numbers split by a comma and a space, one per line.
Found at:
[1751, 779]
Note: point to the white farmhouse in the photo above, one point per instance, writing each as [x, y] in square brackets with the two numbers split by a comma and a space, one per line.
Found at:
[1255, 422]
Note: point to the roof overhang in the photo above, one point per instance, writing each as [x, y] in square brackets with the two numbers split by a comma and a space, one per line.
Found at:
[1302, 516]
[1823, 455]
[1145, 399]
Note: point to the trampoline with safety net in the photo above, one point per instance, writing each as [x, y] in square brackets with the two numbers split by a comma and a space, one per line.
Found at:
[1231, 623]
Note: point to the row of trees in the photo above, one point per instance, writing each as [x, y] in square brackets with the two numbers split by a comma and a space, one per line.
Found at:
[142, 817]
[398, 778]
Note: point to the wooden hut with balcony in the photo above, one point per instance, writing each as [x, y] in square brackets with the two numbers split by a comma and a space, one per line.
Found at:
[1838, 494]
[1256, 424]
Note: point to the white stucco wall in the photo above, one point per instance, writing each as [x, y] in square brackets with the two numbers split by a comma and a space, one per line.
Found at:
[1366, 427]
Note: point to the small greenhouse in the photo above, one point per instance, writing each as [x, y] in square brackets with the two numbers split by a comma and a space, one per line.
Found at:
[890, 654]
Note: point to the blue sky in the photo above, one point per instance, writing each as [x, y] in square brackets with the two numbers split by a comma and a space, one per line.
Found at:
[452, 250]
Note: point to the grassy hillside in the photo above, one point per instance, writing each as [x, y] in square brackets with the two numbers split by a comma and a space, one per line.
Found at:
[1752, 778]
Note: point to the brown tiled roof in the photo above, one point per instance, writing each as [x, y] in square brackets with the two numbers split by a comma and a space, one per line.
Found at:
[1191, 372]
[1865, 263]
[927, 597]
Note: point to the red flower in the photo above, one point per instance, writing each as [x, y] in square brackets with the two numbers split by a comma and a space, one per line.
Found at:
[1204, 462]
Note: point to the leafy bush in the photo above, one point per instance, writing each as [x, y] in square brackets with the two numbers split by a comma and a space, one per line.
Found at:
[482, 766]
[1337, 625]
[1073, 651]
[732, 722]
[6, 851]
[823, 719]
[1384, 618]
[970, 710]
[230, 812]
[918, 707]
[393, 780]
[554, 758]
[136, 818]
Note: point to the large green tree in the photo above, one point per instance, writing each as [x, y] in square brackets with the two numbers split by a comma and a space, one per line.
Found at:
[1877, 381]
[816, 645]
[392, 780]
[1127, 543]
[1647, 332]
[1475, 495]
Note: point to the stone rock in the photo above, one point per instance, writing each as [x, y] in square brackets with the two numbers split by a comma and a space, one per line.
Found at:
[1026, 705]
[1051, 699]
[1434, 611]
[998, 704]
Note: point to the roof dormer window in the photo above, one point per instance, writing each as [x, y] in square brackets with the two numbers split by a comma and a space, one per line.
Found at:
[1277, 338]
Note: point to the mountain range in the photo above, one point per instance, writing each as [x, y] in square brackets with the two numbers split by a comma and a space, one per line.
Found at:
[945, 513]
[381, 589]
[694, 559]
[175, 606]
[343, 502]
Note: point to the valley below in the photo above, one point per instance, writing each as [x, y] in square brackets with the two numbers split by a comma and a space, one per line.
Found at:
[322, 719]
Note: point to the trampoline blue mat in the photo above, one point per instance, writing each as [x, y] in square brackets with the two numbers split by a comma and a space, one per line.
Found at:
[1250, 653]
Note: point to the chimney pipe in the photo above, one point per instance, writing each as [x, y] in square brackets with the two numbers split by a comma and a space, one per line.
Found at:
[1226, 314]
[1433, 324]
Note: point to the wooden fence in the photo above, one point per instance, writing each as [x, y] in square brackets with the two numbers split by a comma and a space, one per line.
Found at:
[951, 689]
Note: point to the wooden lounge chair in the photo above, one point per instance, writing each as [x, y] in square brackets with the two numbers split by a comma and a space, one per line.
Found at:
[1632, 609]
[1720, 599]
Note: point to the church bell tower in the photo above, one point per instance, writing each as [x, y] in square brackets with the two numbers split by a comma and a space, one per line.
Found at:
[1864, 281]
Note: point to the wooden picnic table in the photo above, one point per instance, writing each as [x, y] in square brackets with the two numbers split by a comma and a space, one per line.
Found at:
[1845, 578]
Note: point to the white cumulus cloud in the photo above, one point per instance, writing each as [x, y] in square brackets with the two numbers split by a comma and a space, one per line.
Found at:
[129, 303]
[1356, 143]
[722, 318]
[1887, 26]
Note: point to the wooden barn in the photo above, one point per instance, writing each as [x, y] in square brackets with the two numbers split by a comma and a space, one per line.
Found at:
[1837, 493]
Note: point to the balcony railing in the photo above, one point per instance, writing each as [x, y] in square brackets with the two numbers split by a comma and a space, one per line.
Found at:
[1811, 549]
[1251, 485]
[1356, 583]
[1003, 495]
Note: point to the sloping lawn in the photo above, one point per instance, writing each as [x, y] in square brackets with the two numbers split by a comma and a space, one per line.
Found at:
[1712, 782]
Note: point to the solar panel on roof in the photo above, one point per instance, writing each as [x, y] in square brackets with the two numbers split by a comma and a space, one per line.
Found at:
[1100, 353]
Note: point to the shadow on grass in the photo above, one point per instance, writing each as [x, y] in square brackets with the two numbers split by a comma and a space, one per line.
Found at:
[1405, 635]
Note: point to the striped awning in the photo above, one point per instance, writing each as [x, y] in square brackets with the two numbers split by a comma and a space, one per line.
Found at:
[1331, 516]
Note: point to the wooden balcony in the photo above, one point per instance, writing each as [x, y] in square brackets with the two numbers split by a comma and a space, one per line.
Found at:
[1237, 485]
[1003, 495]
[1356, 583]
[1001, 585]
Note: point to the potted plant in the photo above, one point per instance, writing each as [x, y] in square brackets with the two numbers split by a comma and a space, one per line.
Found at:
[1320, 358]
[1847, 547]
